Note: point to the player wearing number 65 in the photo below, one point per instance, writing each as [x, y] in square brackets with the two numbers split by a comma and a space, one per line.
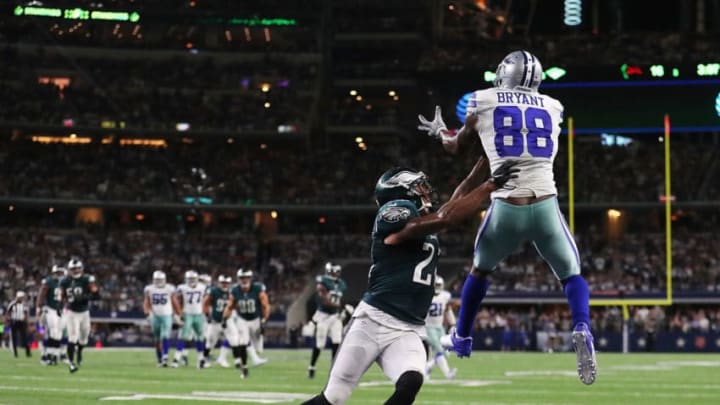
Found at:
[387, 326]
[514, 121]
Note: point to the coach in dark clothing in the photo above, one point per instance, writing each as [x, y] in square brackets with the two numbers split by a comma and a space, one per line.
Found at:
[17, 318]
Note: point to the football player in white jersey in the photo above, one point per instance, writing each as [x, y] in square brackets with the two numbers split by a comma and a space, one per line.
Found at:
[190, 296]
[515, 121]
[438, 314]
[159, 304]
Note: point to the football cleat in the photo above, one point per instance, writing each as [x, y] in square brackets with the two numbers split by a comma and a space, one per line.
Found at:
[260, 362]
[202, 363]
[222, 363]
[585, 350]
[311, 372]
[244, 373]
[175, 364]
[72, 367]
[451, 374]
[462, 346]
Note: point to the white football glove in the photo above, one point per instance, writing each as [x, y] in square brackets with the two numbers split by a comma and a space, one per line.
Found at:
[435, 127]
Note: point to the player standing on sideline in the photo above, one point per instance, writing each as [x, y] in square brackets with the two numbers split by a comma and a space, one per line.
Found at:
[190, 301]
[249, 308]
[158, 305]
[17, 316]
[50, 309]
[438, 313]
[330, 289]
[514, 121]
[388, 325]
[78, 289]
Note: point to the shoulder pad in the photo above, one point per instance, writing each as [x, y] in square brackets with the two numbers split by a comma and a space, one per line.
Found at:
[260, 286]
[397, 211]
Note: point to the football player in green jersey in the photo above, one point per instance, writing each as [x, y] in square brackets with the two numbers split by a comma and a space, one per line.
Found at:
[388, 324]
[330, 289]
[50, 308]
[249, 309]
[78, 289]
[213, 307]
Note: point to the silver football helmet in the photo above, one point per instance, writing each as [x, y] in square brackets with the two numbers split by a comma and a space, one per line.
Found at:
[519, 69]
[59, 271]
[159, 278]
[439, 284]
[224, 282]
[191, 278]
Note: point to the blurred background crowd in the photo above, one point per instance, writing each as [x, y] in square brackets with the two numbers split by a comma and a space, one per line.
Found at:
[188, 139]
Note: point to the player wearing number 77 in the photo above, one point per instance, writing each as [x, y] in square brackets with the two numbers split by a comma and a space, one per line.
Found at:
[514, 121]
[190, 296]
[388, 325]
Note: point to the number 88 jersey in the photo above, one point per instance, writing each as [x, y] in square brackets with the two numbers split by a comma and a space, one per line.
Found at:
[519, 125]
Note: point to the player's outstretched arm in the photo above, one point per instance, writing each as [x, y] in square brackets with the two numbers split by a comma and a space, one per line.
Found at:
[457, 211]
[473, 180]
[452, 140]
[147, 306]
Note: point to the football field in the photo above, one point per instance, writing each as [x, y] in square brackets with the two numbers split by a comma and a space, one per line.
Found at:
[488, 378]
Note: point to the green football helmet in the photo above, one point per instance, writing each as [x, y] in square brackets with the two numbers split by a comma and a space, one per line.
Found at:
[402, 183]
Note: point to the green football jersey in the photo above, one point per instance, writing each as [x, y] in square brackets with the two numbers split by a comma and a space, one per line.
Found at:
[247, 303]
[218, 300]
[336, 288]
[77, 291]
[402, 276]
[53, 294]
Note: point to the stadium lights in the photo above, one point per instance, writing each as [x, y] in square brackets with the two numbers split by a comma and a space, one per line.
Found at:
[76, 14]
[359, 139]
[274, 214]
[391, 93]
[267, 104]
[613, 214]
[353, 93]
[573, 12]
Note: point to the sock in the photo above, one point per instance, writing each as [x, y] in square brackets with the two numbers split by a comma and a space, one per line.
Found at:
[179, 348]
[242, 354]
[71, 352]
[200, 347]
[79, 352]
[473, 292]
[315, 355]
[406, 388]
[158, 353]
[334, 348]
[223, 353]
[429, 365]
[578, 297]
[188, 343]
[252, 352]
[165, 346]
[441, 361]
[206, 352]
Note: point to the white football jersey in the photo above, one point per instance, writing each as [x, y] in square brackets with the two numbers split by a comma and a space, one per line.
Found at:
[519, 125]
[192, 298]
[160, 298]
[436, 313]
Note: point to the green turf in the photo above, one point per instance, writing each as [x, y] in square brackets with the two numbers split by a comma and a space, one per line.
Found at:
[509, 378]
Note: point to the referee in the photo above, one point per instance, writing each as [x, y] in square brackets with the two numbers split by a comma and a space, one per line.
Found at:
[17, 315]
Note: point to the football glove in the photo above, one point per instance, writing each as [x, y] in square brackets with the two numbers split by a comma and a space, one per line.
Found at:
[224, 323]
[435, 127]
[262, 326]
[504, 173]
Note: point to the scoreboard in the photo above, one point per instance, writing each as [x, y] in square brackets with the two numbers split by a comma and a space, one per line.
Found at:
[632, 98]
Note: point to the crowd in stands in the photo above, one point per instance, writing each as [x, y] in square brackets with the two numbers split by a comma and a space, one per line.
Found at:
[342, 175]
[154, 93]
[124, 260]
